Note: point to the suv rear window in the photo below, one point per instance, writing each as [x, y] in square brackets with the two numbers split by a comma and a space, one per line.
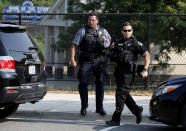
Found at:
[16, 40]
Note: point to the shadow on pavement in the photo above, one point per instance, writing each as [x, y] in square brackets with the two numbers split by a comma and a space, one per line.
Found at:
[141, 127]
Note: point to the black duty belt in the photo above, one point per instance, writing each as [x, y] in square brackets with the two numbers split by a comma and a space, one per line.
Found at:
[89, 56]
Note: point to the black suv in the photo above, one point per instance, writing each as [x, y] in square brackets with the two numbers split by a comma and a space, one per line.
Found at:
[21, 69]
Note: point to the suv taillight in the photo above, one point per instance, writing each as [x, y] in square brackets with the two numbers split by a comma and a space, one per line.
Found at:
[7, 64]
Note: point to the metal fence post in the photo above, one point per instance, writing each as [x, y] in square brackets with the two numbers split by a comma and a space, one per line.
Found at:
[20, 15]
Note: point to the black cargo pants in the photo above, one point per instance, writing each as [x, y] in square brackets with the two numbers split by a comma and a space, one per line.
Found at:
[86, 67]
[124, 78]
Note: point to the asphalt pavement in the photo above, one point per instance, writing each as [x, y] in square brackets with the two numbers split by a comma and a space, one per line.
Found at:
[57, 103]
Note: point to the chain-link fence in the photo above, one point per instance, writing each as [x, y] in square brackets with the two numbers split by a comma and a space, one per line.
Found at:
[163, 34]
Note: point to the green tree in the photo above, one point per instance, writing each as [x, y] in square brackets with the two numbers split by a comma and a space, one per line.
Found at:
[3, 3]
[43, 2]
[131, 6]
[39, 39]
[13, 2]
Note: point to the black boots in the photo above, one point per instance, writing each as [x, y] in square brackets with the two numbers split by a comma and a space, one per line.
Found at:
[83, 111]
[113, 123]
[101, 112]
[139, 115]
[115, 119]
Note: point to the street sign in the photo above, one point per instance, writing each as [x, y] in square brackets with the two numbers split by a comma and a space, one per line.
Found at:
[27, 7]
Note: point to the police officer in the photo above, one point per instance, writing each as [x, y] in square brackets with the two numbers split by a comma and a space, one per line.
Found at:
[92, 41]
[125, 54]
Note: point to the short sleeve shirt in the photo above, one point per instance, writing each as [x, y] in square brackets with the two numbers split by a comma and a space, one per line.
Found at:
[81, 32]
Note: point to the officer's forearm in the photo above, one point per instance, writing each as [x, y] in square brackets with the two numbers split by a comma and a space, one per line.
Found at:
[72, 52]
[106, 43]
[146, 59]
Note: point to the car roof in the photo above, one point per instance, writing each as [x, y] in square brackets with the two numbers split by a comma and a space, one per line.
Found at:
[11, 26]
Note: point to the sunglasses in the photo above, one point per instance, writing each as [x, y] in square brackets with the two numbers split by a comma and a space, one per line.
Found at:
[126, 30]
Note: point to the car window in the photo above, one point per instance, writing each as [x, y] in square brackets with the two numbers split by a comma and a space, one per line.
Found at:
[16, 41]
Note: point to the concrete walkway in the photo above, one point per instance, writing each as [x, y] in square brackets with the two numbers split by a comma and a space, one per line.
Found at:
[70, 103]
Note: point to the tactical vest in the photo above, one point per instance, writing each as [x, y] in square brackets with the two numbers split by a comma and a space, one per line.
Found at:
[93, 41]
[124, 52]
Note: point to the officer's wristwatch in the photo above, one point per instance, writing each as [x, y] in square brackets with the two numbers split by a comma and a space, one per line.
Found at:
[144, 69]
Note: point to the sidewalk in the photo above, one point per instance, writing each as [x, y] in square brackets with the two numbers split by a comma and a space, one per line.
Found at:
[70, 103]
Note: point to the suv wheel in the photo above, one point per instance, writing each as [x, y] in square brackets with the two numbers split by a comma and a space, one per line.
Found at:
[8, 110]
[184, 117]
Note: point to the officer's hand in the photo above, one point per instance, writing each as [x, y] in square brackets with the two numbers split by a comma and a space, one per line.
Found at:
[144, 74]
[73, 63]
[107, 40]
[112, 45]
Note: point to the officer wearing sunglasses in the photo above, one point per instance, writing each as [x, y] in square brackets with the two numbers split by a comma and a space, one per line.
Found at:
[125, 53]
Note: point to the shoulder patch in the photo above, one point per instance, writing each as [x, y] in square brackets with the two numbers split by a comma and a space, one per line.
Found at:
[101, 31]
[139, 43]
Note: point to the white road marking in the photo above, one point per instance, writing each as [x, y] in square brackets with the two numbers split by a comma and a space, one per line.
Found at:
[58, 121]
[112, 127]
